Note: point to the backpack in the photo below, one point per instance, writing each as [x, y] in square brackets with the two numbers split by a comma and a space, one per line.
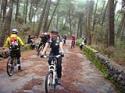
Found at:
[14, 43]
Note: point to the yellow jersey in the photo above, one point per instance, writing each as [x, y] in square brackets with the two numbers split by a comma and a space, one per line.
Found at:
[8, 41]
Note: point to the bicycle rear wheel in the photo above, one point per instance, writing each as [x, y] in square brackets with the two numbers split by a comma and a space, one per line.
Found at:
[10, 67]
[49, 86]
[40, 49]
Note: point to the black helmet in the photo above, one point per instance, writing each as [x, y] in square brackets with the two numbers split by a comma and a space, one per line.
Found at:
[55, 31]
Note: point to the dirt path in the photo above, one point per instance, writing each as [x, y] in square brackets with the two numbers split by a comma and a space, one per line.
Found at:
[79, 75]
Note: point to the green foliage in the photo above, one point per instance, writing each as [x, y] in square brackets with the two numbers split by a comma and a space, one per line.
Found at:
[78, 41]
[118, 56]
[64, 30]
[20, 20]
[90, 53]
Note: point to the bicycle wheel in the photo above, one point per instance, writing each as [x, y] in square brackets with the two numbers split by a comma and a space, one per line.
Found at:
[38, 51]
[49, 86]
[10, 67]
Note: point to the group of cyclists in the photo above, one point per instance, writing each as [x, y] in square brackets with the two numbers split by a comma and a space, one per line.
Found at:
[14, 43]
[52, 40]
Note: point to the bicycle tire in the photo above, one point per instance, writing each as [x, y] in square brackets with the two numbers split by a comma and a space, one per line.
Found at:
[38, 51]
[10, 67]
[49, 85]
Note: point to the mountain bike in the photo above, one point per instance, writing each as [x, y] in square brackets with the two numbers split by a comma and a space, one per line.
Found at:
[51, 79]
[11, 63]
[40, 49]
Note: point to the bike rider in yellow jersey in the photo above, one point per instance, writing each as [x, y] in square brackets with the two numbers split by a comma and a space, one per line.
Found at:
[14, 42]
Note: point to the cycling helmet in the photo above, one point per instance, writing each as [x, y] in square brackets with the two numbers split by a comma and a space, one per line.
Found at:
[55, 31]
[14, 31]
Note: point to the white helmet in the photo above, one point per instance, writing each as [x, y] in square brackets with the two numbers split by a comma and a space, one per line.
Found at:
[14, 31]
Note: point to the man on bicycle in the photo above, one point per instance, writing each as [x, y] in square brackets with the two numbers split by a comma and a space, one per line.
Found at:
[44, 39]
[56, 46]
[14, 42]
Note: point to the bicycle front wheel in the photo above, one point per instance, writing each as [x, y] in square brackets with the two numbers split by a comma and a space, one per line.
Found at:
[49, 86]
[10, 67]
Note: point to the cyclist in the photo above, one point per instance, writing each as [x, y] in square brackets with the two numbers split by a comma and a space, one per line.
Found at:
[73, 41]
[14, 42]
[56, 46]
[44, 39]
[29, 40]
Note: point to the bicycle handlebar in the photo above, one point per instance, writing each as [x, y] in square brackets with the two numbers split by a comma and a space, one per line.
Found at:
[55, 56]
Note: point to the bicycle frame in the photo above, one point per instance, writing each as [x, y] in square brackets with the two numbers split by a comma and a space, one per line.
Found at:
[40, 48]
[52, 68]
[51, 77]
[12, 62]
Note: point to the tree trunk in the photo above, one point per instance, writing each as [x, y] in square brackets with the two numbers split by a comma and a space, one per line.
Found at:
[0, 10]
[111, 12]
[7, 23]
[103, 13]
[122, 34]
[78, 27]
[53, 15]
[70, 22]
[121, 28]
[3, 8]
[81, 27]
[31, 11]
[41, 18]
[46, 16]
[89, 19]
[123, 3]
[93, 27]
[17, 9]
[57, 21]
[26, 10]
